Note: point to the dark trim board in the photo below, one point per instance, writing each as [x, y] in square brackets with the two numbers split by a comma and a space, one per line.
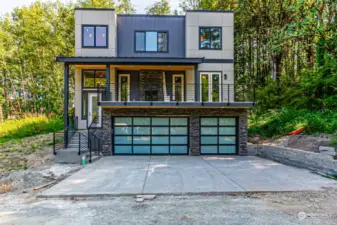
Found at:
[131, 60]
[95, 9]
[210, 11]
[146, 15]
[139, 60]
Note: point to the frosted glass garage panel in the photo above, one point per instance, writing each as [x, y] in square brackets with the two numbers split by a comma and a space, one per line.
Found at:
[178, 122]
[123, 149]
[160, 130]
[178, 149]
[141, 140]
[141, 130]
[123, 121]
[209, 149]
[142, 149]
[178, 140]
[223, 149]
[227, 140]
[209, 131]
[227, 121]
[209, 121]
[160, 121]
[227, 131]
[209, 140]
[123, 130]
[123, 140]
[160, 149]
[160, 140]
[178, 130]
[141, 121]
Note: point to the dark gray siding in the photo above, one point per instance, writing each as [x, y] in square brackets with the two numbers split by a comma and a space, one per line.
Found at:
[127, 25]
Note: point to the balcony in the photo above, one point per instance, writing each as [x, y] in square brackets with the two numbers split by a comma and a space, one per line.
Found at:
[160, 94]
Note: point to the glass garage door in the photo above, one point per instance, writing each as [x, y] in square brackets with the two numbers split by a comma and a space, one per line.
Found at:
[218, 135]
[150, 135]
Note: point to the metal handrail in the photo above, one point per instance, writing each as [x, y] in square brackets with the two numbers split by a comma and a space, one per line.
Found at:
[170, 92]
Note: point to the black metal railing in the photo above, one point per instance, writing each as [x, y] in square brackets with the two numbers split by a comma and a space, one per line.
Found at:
[189, 92]
[95, 141]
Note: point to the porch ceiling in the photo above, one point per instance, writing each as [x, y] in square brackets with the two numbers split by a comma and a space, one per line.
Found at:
[138, 67]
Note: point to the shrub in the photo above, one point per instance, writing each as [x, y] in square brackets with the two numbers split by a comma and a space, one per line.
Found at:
[276, 123]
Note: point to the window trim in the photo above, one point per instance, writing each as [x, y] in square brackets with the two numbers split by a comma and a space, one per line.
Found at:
[209, 74]
[144, 31]
[210, 27]
[95, 26]
[94, 70]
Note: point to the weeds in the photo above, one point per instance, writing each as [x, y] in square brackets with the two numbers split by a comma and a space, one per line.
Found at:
[276, 123]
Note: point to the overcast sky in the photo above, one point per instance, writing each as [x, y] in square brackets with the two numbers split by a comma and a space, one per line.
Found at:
[140, 5]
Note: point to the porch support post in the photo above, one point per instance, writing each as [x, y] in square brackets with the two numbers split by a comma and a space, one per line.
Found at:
[107, 89]
[197, 84]
[66, 95]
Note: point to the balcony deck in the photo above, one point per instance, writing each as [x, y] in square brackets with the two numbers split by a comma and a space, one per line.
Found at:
[159, 95]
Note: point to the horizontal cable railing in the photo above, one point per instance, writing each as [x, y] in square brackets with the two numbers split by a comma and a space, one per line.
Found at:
[173, 92]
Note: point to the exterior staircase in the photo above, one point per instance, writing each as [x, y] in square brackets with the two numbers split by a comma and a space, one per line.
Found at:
[78, 144]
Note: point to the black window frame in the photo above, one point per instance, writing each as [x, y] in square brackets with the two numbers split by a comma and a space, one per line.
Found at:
[207, 27]
[95, 26]
[94, 70]
[145, 31]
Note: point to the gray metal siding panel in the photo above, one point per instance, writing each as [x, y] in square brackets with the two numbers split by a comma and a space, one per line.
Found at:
[127, 25]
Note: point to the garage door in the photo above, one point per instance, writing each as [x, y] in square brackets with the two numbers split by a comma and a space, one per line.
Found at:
[218, 135]
[150, 135]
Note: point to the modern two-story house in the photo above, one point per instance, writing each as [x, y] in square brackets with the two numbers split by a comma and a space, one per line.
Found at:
[158, 84]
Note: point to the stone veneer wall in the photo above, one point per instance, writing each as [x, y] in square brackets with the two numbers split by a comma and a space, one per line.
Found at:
[151, 81]
[194, 118]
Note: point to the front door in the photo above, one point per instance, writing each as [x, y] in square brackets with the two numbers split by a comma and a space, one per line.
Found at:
[94, 111]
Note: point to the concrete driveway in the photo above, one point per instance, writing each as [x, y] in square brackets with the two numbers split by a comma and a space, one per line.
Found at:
[129, 175]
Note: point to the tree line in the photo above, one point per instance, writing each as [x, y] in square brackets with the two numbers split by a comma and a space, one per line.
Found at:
[286, 49]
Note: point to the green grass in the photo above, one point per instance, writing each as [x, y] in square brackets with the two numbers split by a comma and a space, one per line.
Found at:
[28, 126]
[276, 123]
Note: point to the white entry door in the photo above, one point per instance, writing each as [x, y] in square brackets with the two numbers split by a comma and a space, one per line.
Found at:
[94, 111]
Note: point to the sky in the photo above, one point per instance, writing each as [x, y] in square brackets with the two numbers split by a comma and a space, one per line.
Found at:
[140, 5]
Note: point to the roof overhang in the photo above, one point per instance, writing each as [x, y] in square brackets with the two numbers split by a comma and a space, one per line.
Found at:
[140, 60]
[129, 60]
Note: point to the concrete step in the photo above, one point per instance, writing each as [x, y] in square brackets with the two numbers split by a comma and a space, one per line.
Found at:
[69, 155]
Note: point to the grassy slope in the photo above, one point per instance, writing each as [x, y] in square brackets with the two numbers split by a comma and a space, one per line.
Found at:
[278, 123]
[29, 126]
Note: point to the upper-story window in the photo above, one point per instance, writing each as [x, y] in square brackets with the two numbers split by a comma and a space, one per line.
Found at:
[94, 36]
[210, 38]
[151, 41]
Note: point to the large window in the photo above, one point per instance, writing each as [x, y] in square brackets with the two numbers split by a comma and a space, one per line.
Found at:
[151, 41]
[210, 38]
[94, 78]
[94, 36]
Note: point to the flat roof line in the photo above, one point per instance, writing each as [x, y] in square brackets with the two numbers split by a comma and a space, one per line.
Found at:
[104, 9]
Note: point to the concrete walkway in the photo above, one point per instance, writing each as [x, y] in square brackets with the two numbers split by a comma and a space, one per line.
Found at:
[129, 175]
